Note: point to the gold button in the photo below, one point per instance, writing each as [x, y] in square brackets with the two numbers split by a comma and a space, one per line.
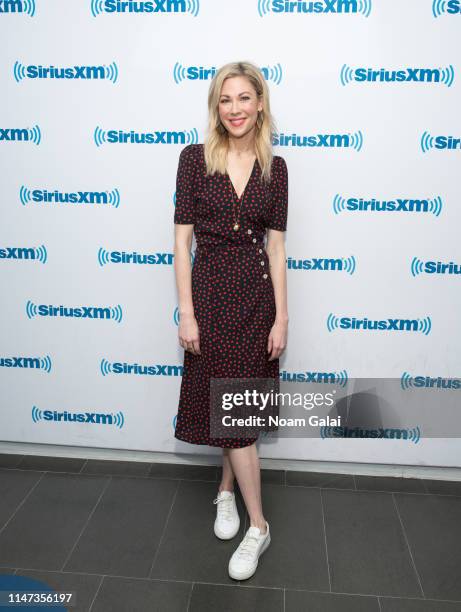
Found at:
[249, 231]
[264, 275]
[254, 240]
[262, 262]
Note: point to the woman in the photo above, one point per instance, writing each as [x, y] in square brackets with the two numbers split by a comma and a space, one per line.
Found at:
[233, 300]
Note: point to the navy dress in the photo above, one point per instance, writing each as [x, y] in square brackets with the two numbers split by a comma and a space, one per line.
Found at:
[232, 291]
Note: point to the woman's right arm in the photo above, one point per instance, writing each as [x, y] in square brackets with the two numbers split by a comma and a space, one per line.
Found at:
[188, 331]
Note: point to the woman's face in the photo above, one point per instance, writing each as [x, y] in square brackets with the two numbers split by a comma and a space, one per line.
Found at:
[238, 106]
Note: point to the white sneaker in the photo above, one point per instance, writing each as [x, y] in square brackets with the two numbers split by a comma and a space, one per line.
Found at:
[244, 561]
[227, 521]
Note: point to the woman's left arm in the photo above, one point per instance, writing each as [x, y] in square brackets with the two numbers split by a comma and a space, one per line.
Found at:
[275, 248]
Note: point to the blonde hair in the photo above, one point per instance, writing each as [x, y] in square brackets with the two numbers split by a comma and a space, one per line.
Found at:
[216, 143]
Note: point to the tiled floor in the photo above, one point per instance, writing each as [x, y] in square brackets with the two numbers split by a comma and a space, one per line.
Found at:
[139, 537]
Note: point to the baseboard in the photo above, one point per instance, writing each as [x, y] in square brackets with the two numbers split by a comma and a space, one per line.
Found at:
[328, 467]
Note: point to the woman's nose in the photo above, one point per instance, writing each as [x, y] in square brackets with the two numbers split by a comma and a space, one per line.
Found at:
[235, 106]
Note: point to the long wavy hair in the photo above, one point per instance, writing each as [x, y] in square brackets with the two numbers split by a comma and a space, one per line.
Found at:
[216, 143]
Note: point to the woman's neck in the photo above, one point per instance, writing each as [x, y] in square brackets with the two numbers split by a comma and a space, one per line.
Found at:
[242, 147]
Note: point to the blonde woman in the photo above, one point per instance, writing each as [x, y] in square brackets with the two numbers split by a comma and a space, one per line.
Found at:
[232, 191]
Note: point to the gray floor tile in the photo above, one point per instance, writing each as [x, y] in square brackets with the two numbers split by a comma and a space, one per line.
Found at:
[44, 529]
[51, 464]
[390, 484]
[189, 549]
[184, 471]
[273, 477]
[14, 486]
[303, 601]
[296, 556]
[318, 479]
[433, 528]
[8, 460]
[124, 531]
[417, 605]
[120, 468]
[443, 487]
[84, 586]
[134, 595]
[211, 597]
[367, 550]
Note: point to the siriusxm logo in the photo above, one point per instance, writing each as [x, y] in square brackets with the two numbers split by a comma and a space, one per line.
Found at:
[428, 382]
[21, 135]
[121, 257]
[83, 312]
[201, 73]
[32, 71]
[433, 267]
[21, 253]
[449, 143]
[149, 6]
[406, 75]
[362, 7]
[329, 378]
[384, 433]
[343, 264]
[121, 137]
[47, 196]
[405, 205]
[27, 363]
[117, 367]
[446, 7]
[18, 6]
[94, 418]
[341, 141]
[404, 325]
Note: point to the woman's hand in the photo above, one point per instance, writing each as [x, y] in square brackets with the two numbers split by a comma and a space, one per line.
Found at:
[188, 334]
[277, 340]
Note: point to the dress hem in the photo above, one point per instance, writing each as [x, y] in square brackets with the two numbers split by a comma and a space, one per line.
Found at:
[209, 443]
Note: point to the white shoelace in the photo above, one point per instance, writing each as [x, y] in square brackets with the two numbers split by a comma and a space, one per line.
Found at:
[225, 508]
[248, 546]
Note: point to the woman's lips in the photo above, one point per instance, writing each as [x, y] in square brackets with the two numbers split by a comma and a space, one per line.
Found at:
[237, 122]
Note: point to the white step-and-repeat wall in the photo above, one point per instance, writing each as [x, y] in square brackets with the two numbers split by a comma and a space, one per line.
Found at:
[98, 97]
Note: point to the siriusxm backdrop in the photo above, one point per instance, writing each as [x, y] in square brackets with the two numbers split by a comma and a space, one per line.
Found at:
[98, 99]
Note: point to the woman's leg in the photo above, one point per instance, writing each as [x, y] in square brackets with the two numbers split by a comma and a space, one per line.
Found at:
[227, 480]
[245, 466]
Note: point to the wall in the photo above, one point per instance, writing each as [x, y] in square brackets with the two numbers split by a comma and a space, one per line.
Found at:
[153, 71]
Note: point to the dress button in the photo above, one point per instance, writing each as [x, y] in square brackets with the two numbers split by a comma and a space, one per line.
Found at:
[254, 240]
[262, 262]
[264, 275]
[249, 231]
[260, 250]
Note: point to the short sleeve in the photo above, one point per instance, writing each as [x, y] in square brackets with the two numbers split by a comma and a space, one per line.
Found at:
[279, 206]
[185, 187]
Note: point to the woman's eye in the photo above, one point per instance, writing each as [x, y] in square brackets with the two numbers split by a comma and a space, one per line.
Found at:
[243, 98]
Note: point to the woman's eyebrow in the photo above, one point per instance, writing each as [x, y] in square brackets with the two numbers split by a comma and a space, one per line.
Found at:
[240, 94]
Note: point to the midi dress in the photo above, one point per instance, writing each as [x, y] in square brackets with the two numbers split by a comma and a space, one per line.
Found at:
[232, 291]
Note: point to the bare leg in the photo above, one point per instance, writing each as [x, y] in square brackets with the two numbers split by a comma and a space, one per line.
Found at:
[227, 480]
[245, 465]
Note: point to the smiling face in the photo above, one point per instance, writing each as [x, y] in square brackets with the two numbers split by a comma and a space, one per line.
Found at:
[238, 106]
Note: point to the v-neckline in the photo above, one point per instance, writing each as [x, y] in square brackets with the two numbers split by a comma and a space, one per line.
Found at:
[247, 183]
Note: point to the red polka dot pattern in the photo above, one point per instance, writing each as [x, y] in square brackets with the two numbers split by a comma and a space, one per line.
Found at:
[232, 290]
